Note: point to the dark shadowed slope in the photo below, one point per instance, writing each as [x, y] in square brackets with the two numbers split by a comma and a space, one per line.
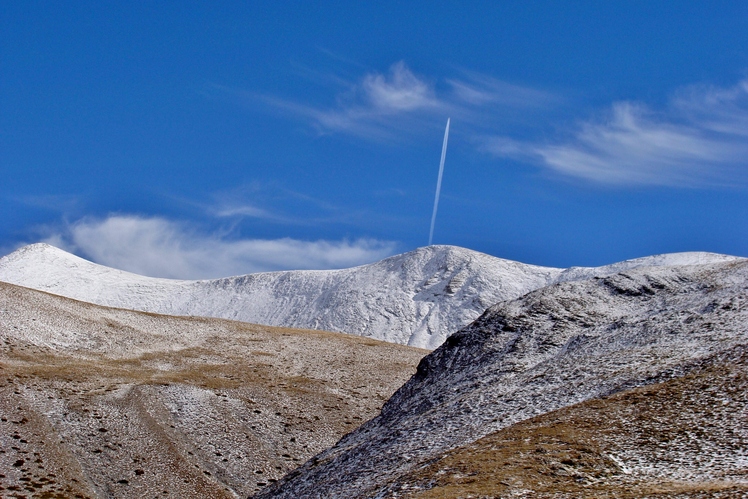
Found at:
[555, 347]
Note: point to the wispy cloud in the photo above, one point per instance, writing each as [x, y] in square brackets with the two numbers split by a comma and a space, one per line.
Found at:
[243, 210]
[381, 106]
[477, 89]
[274, 203]
[372, 108]
[164, 248]
[52, 202]
[699, 139]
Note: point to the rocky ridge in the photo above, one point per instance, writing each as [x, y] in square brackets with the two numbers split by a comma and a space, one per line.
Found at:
[554, 348]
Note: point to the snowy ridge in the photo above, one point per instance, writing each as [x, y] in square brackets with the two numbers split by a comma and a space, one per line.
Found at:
[417, 298]
[666, 260]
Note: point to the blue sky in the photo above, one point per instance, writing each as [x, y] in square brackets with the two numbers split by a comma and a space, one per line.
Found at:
[201, 139]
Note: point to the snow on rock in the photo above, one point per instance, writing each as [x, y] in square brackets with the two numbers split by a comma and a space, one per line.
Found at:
[666, 260]
[417, 298]
[554, 347]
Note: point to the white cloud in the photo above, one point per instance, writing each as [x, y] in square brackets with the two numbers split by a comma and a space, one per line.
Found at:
[162, 248]
[243, 210]
[402, 91]
[400, 102]
[481, 90]
[700, 139]
[375, 107]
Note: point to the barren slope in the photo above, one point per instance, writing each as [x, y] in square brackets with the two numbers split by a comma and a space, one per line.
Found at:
[99, 402]
[555, 347]
[686, 438]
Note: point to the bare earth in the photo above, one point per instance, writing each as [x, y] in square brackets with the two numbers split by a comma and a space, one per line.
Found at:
[102, 402]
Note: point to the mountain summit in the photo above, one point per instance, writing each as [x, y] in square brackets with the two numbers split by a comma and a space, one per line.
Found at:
[416, 298]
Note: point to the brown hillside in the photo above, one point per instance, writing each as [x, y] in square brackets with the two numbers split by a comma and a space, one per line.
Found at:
[684, 438]
[114, 403]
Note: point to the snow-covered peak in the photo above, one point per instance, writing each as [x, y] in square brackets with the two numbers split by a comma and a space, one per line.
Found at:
[44, 263]
[416, 298]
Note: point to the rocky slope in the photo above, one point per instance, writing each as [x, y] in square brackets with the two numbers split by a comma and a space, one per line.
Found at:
[417, 298]
[567, 345]
[101, 402]
[685, 438]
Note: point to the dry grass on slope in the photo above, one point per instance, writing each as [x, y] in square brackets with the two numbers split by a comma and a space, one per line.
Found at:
[684, 438]
[99, 402]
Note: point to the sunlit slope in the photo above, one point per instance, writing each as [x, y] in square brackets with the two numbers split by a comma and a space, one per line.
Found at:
[100, 402]
[416, 298]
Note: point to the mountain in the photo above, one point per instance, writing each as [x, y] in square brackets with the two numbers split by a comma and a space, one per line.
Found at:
[595, 384]
[417, 298]
[650, 363]
[101, 402]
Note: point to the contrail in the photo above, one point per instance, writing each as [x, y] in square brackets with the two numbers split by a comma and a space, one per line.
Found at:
[439, 182]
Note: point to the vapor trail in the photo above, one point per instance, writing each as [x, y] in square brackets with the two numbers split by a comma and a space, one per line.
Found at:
[439, 182]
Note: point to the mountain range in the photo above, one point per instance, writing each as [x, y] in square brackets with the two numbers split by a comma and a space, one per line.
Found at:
[416, 298]
[623, 381]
